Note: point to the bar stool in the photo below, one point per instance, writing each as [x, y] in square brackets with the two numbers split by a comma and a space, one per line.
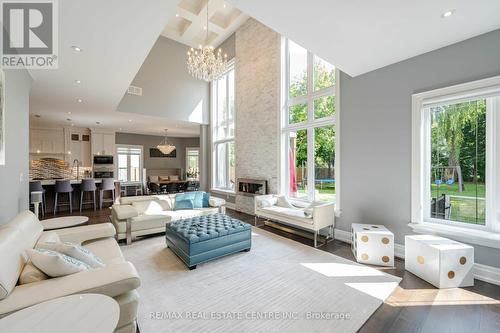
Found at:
[88, 185]
[36, 186]
[64, 186]
[108, 184]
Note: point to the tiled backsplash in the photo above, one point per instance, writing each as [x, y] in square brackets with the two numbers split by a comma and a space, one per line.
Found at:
[50, 168]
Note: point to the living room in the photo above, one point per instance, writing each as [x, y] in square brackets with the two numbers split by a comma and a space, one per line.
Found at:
[178, 166]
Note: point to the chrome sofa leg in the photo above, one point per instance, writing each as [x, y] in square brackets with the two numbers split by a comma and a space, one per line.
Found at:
[315, 238]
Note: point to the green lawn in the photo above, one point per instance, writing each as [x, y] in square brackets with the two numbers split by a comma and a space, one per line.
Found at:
[467, 206]
[325, 192]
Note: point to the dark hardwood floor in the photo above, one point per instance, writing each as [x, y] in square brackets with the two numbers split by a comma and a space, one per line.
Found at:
[416, 306]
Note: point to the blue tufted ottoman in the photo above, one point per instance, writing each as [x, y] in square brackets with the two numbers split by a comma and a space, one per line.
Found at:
[203, 238]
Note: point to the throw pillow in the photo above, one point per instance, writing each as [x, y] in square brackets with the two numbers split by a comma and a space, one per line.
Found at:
[266, 201]
[283, 202]
[75, 251]
[31, 274]
[184, 204]
[198, 199]
[162, 178]
[195, 200]
[206, 200]
[153, 179]
[48, 236]
[55, 264]
[173, 177]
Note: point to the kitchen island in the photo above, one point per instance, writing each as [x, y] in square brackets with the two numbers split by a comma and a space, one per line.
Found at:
[49, 187]
[48, 182]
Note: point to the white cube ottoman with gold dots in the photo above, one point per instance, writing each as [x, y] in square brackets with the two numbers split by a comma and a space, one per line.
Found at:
[372, 244]
[442, 262]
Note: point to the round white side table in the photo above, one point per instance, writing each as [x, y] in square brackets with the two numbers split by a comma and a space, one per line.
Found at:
[76, 314]
[63, 222]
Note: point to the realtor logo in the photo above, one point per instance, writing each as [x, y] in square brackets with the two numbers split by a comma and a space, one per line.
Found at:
[29, 36]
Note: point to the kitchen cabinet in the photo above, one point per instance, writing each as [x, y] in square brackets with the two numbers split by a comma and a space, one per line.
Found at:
[103, 143]
[78, 146]
[47, 141]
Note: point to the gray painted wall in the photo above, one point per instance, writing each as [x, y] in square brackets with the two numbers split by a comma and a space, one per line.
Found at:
[151, 141]
[14, 174]
[375, 139]
[168, 90]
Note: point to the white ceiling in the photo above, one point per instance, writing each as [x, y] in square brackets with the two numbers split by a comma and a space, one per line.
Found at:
[115, 36]
[187, 25]
[360, 36]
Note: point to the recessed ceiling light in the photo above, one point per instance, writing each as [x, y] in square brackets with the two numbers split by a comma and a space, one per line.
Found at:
[72, 124]
[120, 129]
[224, 5]
[79, 100]
[69, 112]
[78, 81]
[177, 15]
[130, 120]
[448, 13]
[76, 48]
[205, 28]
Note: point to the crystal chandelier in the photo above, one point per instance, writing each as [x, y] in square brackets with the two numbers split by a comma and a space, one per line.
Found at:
[164, 146]
[205, 63]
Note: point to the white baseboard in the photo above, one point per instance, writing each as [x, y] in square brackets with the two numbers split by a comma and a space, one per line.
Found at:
[482, 272]
[487, 273]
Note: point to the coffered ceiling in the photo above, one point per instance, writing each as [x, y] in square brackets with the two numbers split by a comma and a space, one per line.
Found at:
[189, 24]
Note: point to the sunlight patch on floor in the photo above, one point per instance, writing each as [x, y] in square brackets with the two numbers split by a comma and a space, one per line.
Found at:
[452, 296]
[340, 270]
[380, 290]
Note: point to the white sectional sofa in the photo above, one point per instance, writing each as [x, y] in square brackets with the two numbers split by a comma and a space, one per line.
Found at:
[276, 208]
[144, 215]
[118, 279]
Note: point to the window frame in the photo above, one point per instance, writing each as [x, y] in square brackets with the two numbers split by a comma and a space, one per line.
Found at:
[188, 149]
[310, 124]
[141, 163]
[421, 146]
[227, 140]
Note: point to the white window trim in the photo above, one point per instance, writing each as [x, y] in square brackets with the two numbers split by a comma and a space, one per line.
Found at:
[141, 163]
[213, 125]
[310, 124]
[488, 235]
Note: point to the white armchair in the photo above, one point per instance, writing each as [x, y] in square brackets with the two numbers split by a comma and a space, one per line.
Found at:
[320, 215]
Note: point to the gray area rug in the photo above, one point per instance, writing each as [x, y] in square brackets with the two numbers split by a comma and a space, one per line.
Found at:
[280, 285]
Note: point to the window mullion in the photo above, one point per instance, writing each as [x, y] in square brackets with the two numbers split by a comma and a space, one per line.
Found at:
[310, 164]
[129, 168]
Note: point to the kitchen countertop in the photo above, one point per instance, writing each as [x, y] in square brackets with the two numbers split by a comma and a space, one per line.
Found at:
[46, 182]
